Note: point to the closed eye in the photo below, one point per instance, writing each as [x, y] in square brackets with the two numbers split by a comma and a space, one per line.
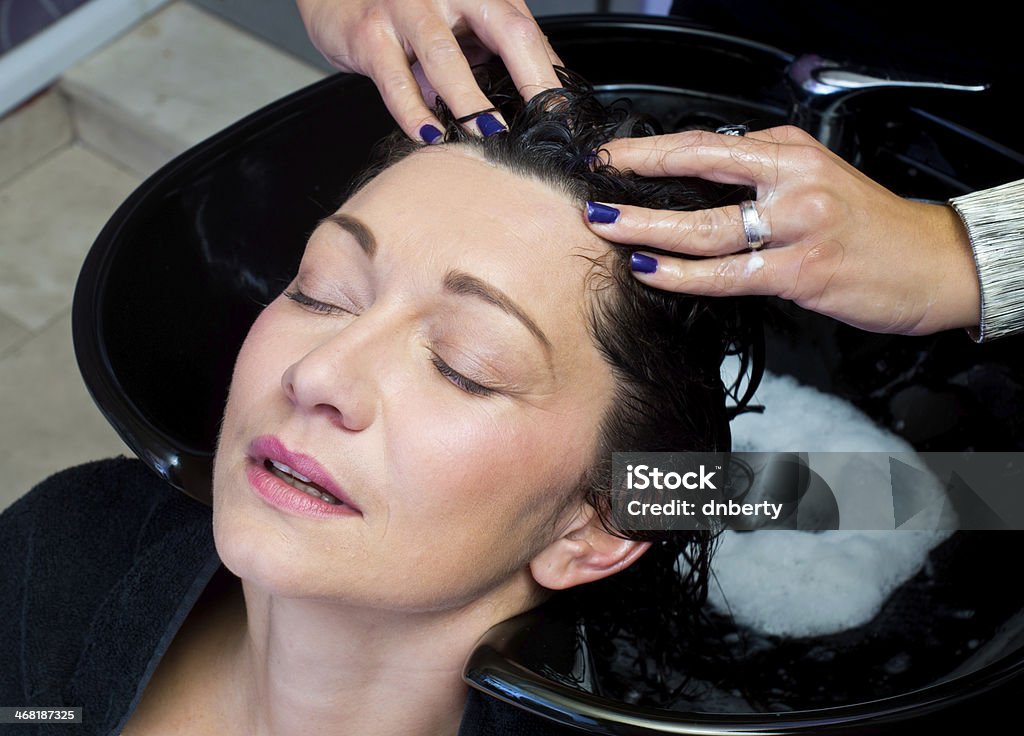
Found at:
[314, 304]
[460, 380]
[467, 385]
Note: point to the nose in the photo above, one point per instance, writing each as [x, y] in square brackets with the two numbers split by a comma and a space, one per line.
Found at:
[334, 379]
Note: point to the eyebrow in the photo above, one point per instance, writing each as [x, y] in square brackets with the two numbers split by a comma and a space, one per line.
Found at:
[455, 282]
[459, 282]
[357, 230]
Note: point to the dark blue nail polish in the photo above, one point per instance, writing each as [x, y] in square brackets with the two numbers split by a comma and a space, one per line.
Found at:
[643, 264]
[429, 133]
[489, 125]
[591, 159]
[601, 213]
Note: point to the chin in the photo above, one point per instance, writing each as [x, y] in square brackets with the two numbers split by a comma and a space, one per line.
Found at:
[249, 554]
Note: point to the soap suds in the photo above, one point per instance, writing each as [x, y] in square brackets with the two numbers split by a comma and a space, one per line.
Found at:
[793, 583]
[754, 263]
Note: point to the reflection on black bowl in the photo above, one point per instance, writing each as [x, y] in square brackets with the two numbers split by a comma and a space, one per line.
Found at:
[947, 641]
[945, 622]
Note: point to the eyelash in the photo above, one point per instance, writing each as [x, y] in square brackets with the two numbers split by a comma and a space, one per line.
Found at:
[317, 306]
[470, 387]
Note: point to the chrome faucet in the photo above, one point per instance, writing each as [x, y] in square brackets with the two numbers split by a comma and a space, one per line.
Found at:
[822, 89]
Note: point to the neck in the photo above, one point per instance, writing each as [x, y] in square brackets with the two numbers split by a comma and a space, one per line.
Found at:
[313, 666]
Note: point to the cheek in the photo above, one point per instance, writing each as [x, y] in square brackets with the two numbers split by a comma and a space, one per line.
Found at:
[477, 495]
[257, 346]
[259, 365]
[494, 472]
[255, 394]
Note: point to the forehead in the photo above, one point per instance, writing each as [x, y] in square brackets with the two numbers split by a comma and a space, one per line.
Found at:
[452, 188]
[444, 207]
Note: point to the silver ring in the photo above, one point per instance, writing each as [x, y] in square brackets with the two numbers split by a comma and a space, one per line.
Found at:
[737, 129]
[753, 227]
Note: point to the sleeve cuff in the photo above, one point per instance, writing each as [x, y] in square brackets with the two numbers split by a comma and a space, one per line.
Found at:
[994, 219]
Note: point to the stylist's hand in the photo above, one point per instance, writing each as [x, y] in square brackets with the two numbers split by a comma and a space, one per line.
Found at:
[382, 39]
[838, 243]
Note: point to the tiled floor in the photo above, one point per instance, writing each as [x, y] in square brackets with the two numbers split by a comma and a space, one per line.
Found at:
[66, 162]
[39, 128]
[177, 78]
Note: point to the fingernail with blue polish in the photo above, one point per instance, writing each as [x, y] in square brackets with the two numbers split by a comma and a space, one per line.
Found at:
[643, 264]
[601, 213]
[430, 134]
[489, 125]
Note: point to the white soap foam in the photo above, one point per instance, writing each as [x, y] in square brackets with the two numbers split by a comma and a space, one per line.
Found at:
[793, 583]
[754, 263]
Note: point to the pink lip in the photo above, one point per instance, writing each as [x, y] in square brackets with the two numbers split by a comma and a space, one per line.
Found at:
[279, 493]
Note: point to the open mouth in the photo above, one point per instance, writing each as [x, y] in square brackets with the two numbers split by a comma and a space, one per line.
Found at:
[300, 482]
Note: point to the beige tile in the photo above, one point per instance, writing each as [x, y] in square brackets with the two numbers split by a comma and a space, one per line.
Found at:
[174, 80]
[115, 133]
[11, 333]
[31, 132]
[49, 218]
[47, 419]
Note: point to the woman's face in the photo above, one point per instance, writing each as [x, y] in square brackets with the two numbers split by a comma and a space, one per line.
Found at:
[431, 362]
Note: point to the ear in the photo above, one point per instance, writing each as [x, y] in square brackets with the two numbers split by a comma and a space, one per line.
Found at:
[584, 553]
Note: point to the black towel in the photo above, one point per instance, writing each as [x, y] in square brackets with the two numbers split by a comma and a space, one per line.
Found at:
[99, 566]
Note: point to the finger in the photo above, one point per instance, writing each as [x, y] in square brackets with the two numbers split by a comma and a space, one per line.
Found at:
[475, 54]
[737, 275]
[402, 94]
[553, 57]
[709, 232]
[447, 70]
[552, 54]
[520, 43]
[723, 158]
[784, 135]
[427, 90]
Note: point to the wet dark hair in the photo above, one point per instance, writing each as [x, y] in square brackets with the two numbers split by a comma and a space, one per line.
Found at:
[665, 350]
